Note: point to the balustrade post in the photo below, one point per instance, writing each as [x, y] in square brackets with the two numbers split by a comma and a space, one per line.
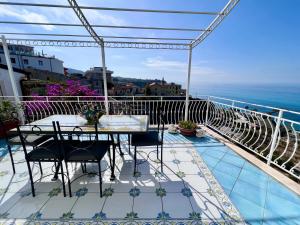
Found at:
[275, 136]
[207, 110]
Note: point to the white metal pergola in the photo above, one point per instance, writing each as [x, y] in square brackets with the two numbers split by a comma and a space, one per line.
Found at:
[103, 42]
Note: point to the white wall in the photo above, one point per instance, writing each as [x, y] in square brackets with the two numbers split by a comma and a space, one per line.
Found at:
[49, 64]
[5, 84]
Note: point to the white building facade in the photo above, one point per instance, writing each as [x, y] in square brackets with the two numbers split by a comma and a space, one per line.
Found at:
[23, 57]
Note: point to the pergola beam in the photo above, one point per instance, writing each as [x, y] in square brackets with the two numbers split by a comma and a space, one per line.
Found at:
[109, 44]
[215, 23]
[109, 37]
[113, 9]
[105, 26]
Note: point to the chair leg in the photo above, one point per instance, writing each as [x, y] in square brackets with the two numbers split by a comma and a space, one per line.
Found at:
[161, 158]
[41, 169]
[11, 158]
[157, 152]
[119, 145]
[69, 182]
[100, 178]
[134, 172]
[85, 168]
[82, 167]
[63, 179]
[129, 143]
[31, 179]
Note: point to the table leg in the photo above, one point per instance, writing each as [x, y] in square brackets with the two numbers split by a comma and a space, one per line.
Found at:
[57, 166]
[113, 177]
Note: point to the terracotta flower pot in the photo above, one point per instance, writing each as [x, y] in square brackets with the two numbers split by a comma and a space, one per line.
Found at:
[187, 132]
[8, 125]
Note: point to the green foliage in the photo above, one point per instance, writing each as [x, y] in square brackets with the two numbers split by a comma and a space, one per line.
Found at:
[91, 113]
[7, 111]
[187, 124]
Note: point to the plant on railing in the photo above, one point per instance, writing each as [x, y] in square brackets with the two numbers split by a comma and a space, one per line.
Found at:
[91, 113]
[187, 127]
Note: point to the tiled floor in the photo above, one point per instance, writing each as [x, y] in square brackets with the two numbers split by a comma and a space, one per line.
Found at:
[259, 198]
[186, 192]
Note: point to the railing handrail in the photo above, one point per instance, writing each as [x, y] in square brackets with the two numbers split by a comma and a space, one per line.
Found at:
[137, 98]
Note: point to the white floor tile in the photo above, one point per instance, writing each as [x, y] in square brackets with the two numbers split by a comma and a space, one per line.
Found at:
[147, 205]
[177, 205]
[118, 205]
[87, 206]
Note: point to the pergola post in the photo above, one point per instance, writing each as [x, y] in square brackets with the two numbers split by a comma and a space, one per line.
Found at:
[12, 77]
[187, 94]
[104, 79]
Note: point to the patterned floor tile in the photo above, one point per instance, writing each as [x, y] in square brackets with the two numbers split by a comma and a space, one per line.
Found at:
[56, 206]
[118, 205]
[177, 205]
[88, 205]
[147, 205]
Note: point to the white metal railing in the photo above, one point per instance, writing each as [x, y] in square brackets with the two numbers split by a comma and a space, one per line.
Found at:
[265, 131]
[268, 134]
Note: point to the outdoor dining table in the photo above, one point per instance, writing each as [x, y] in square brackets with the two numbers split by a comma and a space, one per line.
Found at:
[107, 124]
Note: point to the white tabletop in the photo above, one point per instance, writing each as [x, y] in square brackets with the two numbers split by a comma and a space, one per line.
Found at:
[107, 123]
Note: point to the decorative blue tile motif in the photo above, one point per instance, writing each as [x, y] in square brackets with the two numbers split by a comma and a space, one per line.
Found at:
[176, 161]
[131, 216]
[67, 216]
[35, 216]
[4, 215]
[54, 192]
[81, 192]
[186, 192]
[99, 216]
[108, 192]
[195, 216]
[134, 192]
[161, 192]
[163, 216]
[180, 174]
[137, 174]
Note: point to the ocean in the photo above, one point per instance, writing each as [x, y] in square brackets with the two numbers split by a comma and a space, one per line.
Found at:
[279, 96]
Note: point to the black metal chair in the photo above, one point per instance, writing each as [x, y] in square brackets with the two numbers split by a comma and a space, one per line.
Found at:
[14, 140]
[151, 138]
[81, 149]
[47, 151]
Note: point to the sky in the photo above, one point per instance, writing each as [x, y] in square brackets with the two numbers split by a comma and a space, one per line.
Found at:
[259, 42]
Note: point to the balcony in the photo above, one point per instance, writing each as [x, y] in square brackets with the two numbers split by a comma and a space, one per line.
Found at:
[245, 169]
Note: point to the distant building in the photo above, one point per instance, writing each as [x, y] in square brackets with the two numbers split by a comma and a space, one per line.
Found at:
[5, 84]
[126, 89]
[164, 89]
[95, 77]
[23, 57]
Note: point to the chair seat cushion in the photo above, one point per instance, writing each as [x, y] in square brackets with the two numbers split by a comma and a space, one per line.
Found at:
[77, 151]
[32, 140]
[146, 139]
[50, 150]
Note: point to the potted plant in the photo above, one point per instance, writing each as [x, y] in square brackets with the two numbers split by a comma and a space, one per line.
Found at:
[91, 113]
[187, 127]
[8, 116]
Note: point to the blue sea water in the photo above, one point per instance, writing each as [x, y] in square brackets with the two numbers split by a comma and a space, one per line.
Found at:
[276, 95]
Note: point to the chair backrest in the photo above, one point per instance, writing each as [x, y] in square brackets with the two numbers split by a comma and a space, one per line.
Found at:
[29, 133]
[78, 139]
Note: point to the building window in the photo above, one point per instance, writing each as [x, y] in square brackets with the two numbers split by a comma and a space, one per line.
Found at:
[40, 62]
[13, 60]
[25, 61]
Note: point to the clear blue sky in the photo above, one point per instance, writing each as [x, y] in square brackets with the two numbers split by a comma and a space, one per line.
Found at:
[258, 42]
